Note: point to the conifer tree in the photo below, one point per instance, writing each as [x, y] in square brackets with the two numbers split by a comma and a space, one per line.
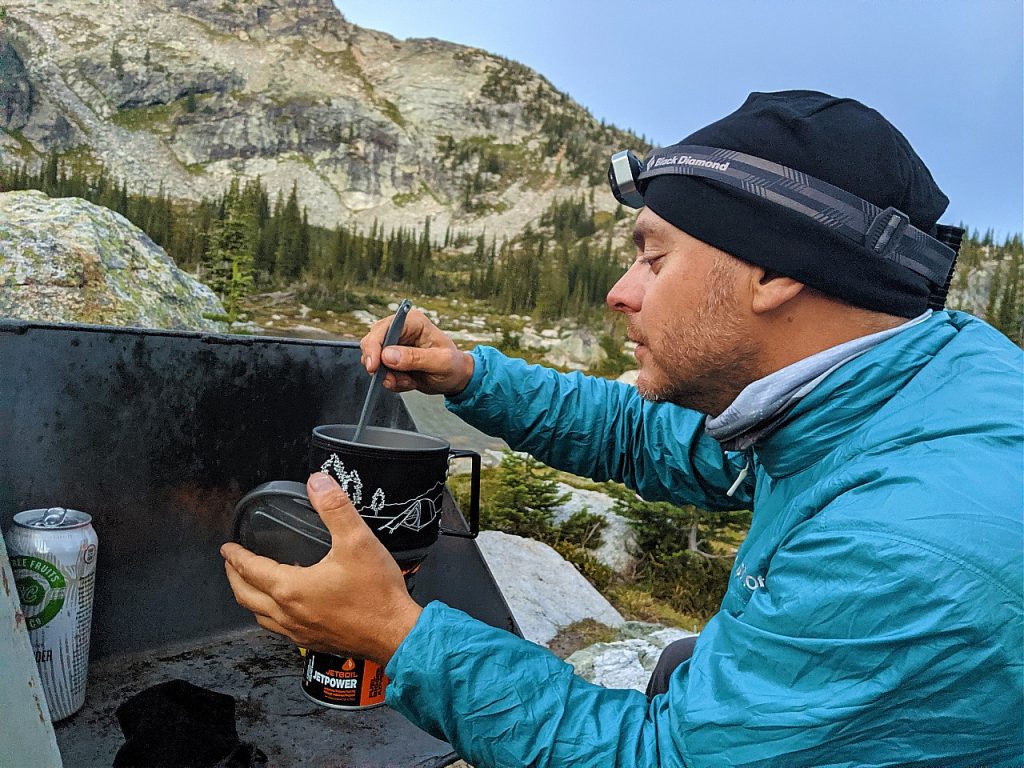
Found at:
[526, 498]
[553, 292]
[1010, 318]
[230, 256]
[291, 237]
[117, 61]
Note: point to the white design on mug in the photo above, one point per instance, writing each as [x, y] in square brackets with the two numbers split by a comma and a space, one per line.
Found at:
[416, 513]
[350, 482]
[377, 502]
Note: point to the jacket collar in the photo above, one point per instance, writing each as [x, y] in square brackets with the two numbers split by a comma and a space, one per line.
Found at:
[850, 396]
[763, 405]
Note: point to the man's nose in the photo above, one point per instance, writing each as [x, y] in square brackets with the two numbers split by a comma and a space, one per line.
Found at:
[627, 294]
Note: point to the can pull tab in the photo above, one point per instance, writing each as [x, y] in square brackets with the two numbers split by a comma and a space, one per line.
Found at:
[53, 517]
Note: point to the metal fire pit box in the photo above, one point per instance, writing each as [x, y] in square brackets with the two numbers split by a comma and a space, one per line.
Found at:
[157, 434]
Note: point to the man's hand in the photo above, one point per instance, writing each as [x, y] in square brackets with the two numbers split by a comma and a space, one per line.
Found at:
[424, 358]
[353, 602]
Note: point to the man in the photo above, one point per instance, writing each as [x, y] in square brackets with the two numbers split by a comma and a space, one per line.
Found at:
[874, 612]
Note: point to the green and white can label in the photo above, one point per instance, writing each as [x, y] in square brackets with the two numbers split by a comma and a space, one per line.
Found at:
[41, 589]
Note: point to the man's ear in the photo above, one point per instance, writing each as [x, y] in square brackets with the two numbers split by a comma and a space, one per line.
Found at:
[771, 290]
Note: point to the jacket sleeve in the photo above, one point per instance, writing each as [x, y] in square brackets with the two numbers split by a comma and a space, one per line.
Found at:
[504, 702]
[601, 429]
[847, 637]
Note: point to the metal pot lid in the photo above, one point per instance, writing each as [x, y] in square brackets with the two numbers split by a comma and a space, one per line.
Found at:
[276, 520]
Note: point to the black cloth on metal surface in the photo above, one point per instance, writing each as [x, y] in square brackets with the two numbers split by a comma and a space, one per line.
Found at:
[176, 724]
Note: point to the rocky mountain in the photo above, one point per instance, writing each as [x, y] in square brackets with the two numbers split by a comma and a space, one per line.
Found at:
[186, 94]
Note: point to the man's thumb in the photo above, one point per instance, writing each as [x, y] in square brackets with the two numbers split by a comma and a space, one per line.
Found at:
[331, 503]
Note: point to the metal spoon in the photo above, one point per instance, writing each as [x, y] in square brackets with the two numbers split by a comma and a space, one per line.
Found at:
[390, 338]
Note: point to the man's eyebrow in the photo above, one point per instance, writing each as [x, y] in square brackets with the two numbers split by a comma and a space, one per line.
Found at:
[641, 231]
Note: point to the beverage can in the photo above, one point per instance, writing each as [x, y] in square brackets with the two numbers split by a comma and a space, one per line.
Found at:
[53, 558]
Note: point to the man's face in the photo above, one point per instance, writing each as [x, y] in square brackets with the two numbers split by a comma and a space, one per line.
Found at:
[682, 298]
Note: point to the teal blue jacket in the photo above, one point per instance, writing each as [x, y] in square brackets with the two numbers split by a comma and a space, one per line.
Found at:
[874, 614]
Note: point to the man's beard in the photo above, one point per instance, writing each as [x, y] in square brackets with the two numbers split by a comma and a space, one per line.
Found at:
[707, 362]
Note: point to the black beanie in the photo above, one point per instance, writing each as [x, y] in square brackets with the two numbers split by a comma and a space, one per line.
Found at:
[840, 141]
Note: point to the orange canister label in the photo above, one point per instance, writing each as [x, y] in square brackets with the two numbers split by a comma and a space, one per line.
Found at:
[343, 682]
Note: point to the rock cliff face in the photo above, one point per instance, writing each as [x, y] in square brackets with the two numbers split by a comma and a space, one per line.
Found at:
[188, 93]
[15, 89]
[67, 260]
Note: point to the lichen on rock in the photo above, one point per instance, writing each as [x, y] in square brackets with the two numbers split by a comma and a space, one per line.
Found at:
[627, 661]
[67, 260]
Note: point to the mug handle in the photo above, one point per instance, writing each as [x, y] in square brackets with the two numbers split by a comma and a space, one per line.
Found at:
[474, 495]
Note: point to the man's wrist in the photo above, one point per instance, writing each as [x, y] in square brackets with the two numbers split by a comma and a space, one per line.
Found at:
[469, 365]
[463, 379]
[397, 629]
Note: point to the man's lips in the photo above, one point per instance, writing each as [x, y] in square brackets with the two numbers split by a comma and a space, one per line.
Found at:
[634, 335]
[636, 339]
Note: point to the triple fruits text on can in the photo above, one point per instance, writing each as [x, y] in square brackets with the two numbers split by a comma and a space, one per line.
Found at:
[349, 682]
[53, 557]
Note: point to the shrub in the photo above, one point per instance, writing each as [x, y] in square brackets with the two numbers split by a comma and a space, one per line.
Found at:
[678, 565]
[593, 570]
[520, 497]
[636, 604]
[525, 499]
[616, 361]
[691, 582]
[583, 529]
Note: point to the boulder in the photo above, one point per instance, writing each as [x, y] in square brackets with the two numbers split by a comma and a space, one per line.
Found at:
[544, 591]
[581, 351]
[364, 317]
[626, 662]
[530, 339]
[467, 337]
[67, 260]
[618, 540]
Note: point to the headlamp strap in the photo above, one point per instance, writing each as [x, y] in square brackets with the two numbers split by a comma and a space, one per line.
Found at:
[888, 233]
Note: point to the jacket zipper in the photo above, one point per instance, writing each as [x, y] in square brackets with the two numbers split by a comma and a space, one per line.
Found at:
[742, 475]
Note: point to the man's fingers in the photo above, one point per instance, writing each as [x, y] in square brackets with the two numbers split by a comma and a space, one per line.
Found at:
[416, 328]
[370, 344]
[273, 626]
[248, 596]
[259, 572]
[435, 361]
[401, 382]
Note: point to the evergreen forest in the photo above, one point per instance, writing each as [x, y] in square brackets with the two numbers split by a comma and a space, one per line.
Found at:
[243, 242]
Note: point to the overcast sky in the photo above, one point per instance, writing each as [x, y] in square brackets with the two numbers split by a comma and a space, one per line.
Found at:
[948, 73]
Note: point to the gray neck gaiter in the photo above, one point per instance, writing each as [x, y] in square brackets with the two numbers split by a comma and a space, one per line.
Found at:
[762, 404]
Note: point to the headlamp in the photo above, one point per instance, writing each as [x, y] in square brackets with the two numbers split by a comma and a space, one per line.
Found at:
[623, 172]
[887, 233]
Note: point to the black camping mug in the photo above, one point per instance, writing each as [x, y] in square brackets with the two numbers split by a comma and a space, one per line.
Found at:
[396, 482]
